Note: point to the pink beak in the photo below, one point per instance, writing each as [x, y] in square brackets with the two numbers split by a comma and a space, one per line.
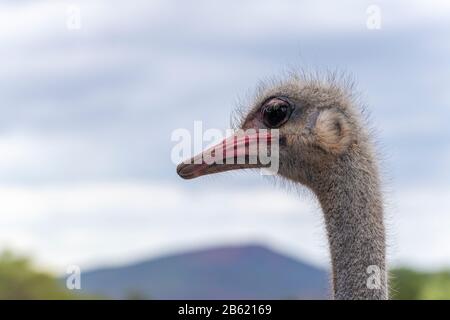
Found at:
[235, 152]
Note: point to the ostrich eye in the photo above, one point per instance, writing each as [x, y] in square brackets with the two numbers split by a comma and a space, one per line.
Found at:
[276, 112]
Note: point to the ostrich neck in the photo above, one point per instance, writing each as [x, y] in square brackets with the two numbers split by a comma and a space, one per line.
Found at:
[353, 210]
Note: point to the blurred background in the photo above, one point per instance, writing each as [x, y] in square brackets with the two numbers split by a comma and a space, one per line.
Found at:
[90, 92]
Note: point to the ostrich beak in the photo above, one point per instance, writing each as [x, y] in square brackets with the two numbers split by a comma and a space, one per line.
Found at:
[235, 152]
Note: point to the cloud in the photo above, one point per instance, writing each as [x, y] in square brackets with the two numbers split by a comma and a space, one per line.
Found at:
[418, 227]
[98, 223]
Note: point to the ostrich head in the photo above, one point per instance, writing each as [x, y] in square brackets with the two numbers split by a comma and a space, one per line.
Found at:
[316, 122]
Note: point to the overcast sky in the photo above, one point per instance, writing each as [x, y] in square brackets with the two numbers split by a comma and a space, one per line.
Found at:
[86, 117]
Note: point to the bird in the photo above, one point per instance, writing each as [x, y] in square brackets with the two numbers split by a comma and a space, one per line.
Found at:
[326, 144]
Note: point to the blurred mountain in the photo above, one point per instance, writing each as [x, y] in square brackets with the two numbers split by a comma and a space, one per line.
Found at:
[231, 272]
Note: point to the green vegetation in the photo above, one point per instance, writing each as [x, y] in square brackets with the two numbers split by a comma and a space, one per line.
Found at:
[412, 285]
[19, 279]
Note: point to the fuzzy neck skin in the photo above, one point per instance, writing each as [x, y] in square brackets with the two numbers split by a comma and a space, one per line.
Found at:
[351, 200]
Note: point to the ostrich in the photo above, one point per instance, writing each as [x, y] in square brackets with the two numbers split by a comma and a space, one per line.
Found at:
[325, 145]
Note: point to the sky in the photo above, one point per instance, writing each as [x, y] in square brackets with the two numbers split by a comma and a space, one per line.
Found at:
[89, 102]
